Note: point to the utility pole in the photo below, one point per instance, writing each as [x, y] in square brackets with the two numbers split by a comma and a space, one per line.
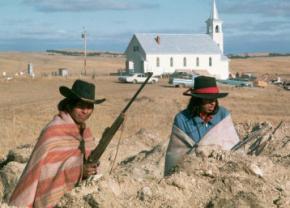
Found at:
[84, 36]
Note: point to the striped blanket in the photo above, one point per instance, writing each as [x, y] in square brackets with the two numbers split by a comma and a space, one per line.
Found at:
[223, 135]
[55, 165]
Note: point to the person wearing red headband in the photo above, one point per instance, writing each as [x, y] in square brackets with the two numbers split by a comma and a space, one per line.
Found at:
[203, 122]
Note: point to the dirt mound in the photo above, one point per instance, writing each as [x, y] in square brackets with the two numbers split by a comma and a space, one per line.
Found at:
[208, 178]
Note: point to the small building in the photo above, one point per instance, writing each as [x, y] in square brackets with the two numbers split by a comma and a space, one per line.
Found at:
[30, 70]
[162, 53]
[63, 72]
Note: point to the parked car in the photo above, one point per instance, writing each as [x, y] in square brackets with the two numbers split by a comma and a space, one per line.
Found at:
[182, 79]
[246, 76]
[236, 82]
[137, 78]
[286, 85]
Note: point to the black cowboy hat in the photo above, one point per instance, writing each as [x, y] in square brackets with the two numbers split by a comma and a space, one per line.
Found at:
[81, 90]
[205, 88]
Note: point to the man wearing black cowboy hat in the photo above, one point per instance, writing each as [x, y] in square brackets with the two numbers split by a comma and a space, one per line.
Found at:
[202, 123]
[57, 162]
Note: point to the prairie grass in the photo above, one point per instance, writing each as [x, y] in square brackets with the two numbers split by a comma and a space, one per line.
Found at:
[27, 105]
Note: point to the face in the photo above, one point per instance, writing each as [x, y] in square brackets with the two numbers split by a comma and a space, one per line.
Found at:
[82, 111]
[208, 105]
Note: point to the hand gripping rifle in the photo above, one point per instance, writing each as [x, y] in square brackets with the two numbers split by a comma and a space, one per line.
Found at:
[109, 132]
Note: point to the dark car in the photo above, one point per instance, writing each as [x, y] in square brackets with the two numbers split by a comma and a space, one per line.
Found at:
[286, 86]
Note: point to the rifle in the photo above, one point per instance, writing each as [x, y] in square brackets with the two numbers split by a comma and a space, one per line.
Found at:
[109, 132]
[258, 145]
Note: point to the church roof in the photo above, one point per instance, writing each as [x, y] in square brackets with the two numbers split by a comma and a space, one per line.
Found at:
[177, 43]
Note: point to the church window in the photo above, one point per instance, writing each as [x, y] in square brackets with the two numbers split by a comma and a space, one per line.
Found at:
[135, 48]
[210, 61]
[157, 61]
[217, 29]
[184, 62]
[171, 62]
[197, 61]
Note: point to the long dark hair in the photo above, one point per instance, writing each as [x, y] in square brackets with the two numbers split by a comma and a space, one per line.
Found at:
[194, 106]
[67, 104]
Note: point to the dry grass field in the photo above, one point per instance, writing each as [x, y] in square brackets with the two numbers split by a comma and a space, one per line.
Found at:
[27, 104]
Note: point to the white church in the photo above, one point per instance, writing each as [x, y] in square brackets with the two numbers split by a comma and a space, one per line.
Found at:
[166, 53]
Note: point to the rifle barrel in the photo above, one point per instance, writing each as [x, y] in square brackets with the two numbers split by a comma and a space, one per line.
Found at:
[110, 132]
[136, 94]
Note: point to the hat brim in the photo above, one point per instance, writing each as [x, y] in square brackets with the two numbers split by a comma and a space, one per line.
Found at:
[68, 93]
[208, 95]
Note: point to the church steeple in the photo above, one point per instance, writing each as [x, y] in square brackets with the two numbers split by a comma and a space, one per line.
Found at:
[214, 27]
[214, 12]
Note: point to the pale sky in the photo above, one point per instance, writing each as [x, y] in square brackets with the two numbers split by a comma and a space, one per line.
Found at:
[38, 25]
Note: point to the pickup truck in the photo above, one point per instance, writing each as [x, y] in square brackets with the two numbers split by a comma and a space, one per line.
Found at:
[137, 78]
[182, 80]
[236, 82]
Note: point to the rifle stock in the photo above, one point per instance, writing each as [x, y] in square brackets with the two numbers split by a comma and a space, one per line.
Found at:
[109, 132]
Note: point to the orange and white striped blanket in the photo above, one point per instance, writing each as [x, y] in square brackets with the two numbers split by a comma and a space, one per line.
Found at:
[55, 165]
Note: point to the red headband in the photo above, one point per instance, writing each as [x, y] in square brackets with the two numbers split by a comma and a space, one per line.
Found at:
[208, 90]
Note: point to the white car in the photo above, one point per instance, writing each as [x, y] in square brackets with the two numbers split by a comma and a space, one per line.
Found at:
[137, 78]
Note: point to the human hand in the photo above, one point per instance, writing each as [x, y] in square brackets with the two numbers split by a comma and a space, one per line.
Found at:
[90, 169]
